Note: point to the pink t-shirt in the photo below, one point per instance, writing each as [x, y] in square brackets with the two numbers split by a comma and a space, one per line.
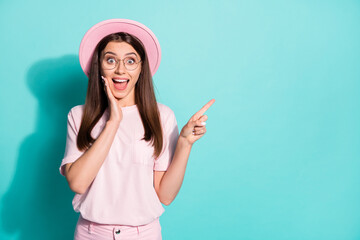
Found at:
[123, 191]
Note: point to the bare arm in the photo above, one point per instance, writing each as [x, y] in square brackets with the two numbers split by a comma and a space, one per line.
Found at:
[168, 184]
[82, 172]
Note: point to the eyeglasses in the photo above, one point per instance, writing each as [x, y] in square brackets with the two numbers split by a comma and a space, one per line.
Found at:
[109, 62]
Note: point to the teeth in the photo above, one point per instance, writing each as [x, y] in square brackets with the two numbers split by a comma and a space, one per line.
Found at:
[118, 80]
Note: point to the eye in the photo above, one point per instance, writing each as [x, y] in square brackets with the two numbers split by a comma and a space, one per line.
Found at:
[110, 60]
[130, 61]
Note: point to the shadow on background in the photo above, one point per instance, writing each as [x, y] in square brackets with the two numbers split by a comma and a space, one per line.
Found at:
[38, 202]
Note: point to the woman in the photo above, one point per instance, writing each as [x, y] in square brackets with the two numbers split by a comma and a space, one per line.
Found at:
[124, 155]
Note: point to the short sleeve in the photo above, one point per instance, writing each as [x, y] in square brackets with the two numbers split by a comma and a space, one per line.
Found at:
[170, 135]
[71, 151]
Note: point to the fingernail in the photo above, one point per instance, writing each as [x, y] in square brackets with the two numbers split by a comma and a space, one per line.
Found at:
[203, 123]
[102, 77]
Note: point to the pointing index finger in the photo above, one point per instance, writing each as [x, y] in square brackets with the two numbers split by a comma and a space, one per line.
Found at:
[204, 109]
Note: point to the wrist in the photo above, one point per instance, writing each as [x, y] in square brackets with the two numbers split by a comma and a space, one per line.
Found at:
[183, 142]
[113, 123]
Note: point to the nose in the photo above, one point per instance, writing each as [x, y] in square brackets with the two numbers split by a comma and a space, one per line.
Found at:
[120, 68]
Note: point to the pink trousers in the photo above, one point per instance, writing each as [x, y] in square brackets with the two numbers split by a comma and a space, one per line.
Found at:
[87, 230]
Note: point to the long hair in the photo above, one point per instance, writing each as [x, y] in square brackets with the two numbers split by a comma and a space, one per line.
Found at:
[96, 100]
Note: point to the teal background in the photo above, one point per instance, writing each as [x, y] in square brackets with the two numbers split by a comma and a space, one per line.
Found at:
[281, 156]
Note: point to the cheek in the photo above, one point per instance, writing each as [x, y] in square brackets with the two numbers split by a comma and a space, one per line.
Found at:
[136, 76]
[106, 73]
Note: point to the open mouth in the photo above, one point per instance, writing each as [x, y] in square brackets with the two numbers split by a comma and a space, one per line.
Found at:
[120, 84]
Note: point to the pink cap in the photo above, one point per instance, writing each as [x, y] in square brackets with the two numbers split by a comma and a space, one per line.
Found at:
[104, 28]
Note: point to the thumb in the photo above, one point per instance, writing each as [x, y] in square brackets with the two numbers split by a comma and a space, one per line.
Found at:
[198, 123]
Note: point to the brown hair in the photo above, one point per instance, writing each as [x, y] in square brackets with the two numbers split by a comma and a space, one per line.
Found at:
[96, 100]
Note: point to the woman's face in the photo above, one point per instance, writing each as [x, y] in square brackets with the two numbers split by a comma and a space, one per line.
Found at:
[117, 52]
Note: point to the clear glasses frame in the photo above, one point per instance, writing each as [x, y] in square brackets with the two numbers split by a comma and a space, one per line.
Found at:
[108, 66]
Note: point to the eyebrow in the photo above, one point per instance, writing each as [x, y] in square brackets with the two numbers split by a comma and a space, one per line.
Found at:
[125, 54]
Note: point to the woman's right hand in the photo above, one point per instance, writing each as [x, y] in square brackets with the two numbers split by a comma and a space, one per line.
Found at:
[115, 108]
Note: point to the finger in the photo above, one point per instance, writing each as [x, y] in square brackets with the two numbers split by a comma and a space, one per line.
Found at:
[197, 123]
[104, 82]
[203, 109]
[201, 121]
[199, 128]
[107, 87]
[199, 131]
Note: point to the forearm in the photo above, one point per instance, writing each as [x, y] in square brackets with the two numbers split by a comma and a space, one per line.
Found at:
[84, 170]
[172, 180]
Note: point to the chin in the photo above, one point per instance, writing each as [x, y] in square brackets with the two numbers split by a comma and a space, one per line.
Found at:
[120, 96]
[116, 93]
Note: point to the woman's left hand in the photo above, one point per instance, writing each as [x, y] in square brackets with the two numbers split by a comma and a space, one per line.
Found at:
[195, 127]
